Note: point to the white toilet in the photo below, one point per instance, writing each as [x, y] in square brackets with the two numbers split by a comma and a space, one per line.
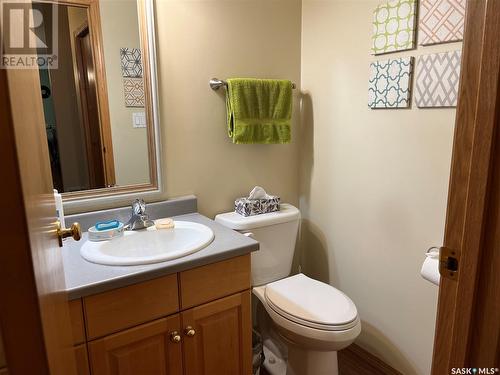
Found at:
[314, 319]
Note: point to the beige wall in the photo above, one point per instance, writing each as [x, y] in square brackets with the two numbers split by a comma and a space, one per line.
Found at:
[198, 40]
[77, 17]
[373, 185]
[120, 29]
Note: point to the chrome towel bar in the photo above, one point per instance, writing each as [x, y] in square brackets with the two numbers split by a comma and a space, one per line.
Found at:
[216, 83]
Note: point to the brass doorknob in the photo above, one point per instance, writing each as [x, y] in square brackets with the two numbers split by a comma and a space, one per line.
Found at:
[189, 331]
[175, 337]
[74, 231]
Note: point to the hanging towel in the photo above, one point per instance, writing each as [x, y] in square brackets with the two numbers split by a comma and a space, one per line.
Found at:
[259, 110]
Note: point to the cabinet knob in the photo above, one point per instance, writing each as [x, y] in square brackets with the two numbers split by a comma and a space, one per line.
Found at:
[189, 331]
[175, 337]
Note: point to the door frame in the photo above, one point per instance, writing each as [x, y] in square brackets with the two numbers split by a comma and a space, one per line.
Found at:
[95, 31]
[82, 89]
[472, 200]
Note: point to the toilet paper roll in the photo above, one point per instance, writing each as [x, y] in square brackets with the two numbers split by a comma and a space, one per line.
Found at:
[430, 268]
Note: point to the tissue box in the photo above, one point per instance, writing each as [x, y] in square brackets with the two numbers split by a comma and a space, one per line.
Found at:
[250, 207]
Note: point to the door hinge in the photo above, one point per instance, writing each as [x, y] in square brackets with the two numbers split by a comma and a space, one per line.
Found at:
[449, 260]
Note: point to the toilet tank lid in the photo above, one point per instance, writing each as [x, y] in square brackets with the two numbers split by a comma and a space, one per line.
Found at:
[236, 221]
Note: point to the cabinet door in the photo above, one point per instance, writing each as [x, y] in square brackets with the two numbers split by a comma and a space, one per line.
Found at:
[147, 349]
[218, 337]
[82, 361]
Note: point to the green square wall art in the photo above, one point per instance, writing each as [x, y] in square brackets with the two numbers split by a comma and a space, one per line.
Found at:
[394, 26]
[390, 83]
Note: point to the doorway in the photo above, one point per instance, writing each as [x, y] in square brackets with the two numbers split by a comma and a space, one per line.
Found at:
[89, 107]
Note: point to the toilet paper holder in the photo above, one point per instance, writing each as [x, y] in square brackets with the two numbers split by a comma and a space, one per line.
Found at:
[430, 251]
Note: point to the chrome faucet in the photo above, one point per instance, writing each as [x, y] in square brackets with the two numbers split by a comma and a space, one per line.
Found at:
[140, 218]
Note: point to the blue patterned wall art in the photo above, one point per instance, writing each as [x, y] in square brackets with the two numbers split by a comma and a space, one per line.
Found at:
[390, 83]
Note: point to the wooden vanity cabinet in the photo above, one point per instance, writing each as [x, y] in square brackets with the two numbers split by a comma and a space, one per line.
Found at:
[150, 348]
[221, 340]
[77, 323]
[122, 308]
[196, 322]
[82, 360]
[79, 342]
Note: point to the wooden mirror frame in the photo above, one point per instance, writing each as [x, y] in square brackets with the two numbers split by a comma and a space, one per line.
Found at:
[146, 29]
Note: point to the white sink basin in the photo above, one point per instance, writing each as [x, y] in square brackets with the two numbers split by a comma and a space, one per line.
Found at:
[149, 245]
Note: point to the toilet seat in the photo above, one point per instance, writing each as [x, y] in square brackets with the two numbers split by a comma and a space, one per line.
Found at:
[311, 303]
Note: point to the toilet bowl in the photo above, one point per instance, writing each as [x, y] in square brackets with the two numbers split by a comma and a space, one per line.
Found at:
[313, 319]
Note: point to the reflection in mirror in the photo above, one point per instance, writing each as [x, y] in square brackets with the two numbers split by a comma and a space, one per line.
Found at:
[96, 105]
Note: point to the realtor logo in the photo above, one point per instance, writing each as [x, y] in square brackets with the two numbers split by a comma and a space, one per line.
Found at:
[29, 35]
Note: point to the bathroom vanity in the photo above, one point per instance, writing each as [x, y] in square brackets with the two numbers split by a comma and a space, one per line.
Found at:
[192, 322]
[191, 315]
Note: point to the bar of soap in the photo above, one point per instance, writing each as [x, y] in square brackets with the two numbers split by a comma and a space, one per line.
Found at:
[164, 223]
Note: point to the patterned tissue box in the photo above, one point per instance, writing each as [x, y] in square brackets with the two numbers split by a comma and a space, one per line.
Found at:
[250, 207]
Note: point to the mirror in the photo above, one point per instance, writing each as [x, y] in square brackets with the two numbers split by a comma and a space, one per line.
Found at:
[97, 100]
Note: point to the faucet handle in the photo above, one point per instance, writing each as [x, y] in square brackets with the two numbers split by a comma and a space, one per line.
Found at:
[139, 207]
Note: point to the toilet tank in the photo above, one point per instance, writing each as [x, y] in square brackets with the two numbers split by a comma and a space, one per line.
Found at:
[276, 233]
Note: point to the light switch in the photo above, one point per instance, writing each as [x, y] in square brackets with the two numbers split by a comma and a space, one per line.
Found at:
[139, 119]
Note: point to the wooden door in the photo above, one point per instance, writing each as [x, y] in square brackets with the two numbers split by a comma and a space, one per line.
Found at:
[34, 313]
[468, 320]
[2, 355]
[220, 341]
[90, 108]
[148, 349]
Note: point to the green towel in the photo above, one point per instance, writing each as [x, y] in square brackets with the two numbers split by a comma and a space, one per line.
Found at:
[259, 110]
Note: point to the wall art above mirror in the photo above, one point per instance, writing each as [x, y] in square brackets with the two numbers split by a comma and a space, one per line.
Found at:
[100, 100]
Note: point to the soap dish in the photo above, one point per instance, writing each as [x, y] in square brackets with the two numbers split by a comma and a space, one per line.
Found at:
[107, 230]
